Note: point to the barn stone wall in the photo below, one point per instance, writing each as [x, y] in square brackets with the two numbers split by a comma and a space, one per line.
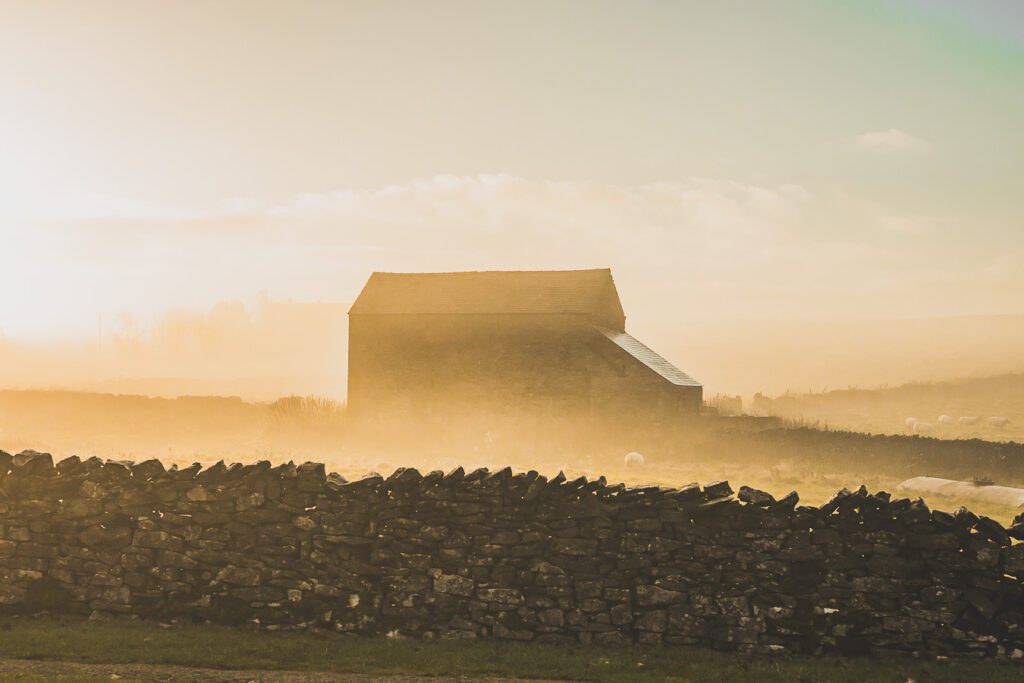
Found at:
[507, 556]
[415, 367]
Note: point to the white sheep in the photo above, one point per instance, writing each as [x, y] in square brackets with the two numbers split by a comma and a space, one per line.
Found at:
[634, 459]
[923, 427]
[997, 422]
[910, 422]
[945, 420]
[968, 420]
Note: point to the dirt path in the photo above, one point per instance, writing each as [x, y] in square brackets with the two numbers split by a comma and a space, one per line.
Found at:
[14, 669]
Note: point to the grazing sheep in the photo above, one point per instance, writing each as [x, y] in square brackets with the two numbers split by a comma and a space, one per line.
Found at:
[634, 459]
[968, 420]
[998, 422]
[923, 427]
[945, 420]
[910, 422]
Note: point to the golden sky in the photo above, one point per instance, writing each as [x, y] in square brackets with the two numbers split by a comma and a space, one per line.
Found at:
[729, 160]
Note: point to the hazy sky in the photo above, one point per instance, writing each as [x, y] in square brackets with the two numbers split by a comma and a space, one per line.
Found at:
[728, 160]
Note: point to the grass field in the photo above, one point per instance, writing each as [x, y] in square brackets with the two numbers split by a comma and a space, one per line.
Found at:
[226, 649]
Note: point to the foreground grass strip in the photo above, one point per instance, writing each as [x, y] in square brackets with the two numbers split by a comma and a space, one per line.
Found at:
[60, 679]
[224, 648]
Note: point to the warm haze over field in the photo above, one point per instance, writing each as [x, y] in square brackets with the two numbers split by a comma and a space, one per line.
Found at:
[605, 340]
[792, 196]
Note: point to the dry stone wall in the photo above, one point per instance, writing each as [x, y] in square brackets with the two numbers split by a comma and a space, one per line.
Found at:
[492, 554]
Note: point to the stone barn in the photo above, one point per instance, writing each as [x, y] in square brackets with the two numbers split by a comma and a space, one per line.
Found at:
[506, 345]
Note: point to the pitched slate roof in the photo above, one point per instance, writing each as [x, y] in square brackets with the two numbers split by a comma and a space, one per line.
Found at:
[516, 291]
[648, 357]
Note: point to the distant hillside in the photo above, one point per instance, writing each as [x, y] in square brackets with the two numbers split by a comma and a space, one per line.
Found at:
[885, 410]
[774, 357]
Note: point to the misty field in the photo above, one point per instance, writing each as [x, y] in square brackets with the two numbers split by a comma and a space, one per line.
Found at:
[815, 463]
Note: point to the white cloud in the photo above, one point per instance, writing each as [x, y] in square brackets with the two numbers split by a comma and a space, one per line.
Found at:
[713, 247]
[892, 139]
[489, 202]
[493, 203]
[693, 234]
